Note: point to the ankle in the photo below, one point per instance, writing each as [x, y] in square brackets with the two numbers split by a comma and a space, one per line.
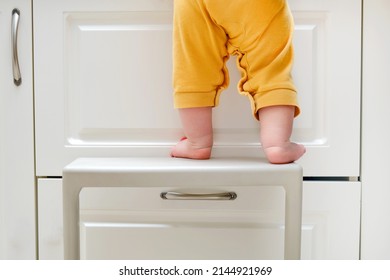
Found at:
[204, 142]
[184, 149]
[286, 153]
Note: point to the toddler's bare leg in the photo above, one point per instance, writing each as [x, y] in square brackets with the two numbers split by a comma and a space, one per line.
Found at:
[276, 123]
[198, 129]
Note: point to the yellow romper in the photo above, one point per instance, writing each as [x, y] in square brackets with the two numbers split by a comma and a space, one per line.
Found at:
[258, 32]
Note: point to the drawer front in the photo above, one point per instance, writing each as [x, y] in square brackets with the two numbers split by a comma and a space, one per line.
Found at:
[142, 225]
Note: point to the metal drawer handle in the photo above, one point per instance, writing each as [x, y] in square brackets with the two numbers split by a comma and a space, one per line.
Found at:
[14, 36]
[196, 196]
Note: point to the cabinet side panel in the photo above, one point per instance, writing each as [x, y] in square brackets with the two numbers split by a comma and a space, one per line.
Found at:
[376, 132]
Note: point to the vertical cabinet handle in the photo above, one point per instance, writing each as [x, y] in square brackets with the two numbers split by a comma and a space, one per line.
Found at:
[14, 37]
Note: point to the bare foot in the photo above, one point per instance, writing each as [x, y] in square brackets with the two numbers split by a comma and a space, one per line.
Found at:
[184, 149]
[287, 153]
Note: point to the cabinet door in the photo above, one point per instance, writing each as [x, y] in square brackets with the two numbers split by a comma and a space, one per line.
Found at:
[17, 193]
[103, 85]
[115, 225]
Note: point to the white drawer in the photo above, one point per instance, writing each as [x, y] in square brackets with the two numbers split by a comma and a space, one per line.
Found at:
[136, 223]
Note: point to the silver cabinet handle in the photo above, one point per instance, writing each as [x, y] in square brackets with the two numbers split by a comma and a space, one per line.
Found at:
[14, 35]
[195, 196]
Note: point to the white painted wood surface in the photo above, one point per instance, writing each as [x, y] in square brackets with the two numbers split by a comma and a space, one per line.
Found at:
[103, 85]
[17, 190]
[331, 222]
[376, 131]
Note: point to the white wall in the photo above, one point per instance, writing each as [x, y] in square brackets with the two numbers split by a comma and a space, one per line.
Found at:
[375, 243]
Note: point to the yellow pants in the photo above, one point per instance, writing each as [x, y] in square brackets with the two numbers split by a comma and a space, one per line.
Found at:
[258, 32]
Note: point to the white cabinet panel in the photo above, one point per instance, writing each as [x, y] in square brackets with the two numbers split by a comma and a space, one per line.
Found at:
[375, 134]
[103, 85]
[116, 224]
[111, 94]
[50, 220]
[147, 227]
[327, 73]
[17, 200]
[117, 78]
[332, 215]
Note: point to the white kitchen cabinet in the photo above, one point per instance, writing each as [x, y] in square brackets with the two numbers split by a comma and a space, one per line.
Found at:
[17, 191]
[92, 85]
[103, 89]
[103, 85]
[121, 223]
